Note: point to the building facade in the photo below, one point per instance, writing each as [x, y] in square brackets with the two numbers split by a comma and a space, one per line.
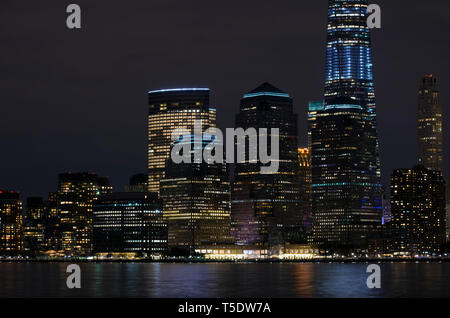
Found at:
[418, 211]
[52, 241]
[33, 225]
[76, 195]
[347, 208]
[314, 109]
[447, 208]
[266, 207]
[430, 140]
[305, 176]
[11, 239]
[130, 224]
[171, 109]
[387, 214]
[196, 199]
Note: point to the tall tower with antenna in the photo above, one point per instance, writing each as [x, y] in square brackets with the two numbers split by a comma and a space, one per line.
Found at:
[347, 209]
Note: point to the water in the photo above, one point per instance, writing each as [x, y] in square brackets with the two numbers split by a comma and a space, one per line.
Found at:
[224, 280]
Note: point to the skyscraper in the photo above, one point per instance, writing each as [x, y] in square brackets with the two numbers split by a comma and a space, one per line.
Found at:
[313, 109]
[305, 176]
[447, 208]
[418, 211]
[266, 207]
[387, 214]
[33, 225]
[196, 199]
[52, 234]
[430, 124]
[170, 109]
[76, 195]
[10, 223]
[129, 223]
[345, 159]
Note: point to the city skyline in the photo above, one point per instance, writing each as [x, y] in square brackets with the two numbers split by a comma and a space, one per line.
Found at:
[75, 113]
[337, 178]
[213, 157]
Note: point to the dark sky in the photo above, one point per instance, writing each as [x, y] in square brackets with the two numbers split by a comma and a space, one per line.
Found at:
[77, 100]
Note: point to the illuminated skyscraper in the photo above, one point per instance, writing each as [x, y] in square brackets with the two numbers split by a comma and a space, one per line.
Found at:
[52, 234]
[10, 223]
[346, 169]
[313, 109]
[33, 225]
[171, 109]
[129, 223]
[196, 199]
[266, 207]
[76, 195]
[447, 208]
[418, 211]
[305, 174]
[387, 214]
[430, 124]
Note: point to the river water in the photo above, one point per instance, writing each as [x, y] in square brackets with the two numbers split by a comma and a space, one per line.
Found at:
[224, 280]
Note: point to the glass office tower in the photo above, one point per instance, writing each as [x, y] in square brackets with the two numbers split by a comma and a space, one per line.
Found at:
[266, 208]
[313, 109]
[430, 124]
[418, 211]
[33, 225]
[170, 109]
[10, 223]
[76, 195]
[305, 177]
[346, 169]
[196, 198]
[129, 223]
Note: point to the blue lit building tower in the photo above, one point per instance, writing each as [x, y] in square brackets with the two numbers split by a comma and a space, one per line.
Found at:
[347, 209]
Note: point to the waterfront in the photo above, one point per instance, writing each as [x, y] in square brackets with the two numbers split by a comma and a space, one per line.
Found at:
[225, 280]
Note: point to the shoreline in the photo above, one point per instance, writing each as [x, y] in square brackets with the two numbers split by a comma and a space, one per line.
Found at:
[187, 261]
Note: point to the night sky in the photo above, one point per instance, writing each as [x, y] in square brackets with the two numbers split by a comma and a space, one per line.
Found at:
[76, 100]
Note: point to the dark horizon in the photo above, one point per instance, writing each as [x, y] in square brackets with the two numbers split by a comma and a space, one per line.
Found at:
[77, 100]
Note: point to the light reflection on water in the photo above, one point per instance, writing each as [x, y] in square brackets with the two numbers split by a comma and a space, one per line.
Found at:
[224, 280]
